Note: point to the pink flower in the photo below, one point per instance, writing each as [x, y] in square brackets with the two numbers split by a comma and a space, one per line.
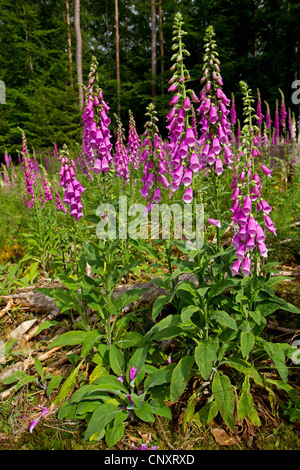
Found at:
[157, 196]
[219, 166]
[266, 170]
[265, 207]
[236, 267]
[132, 373]
[215, 222]
[247, 205]
[188, 196]
[246, 268]
[187, 104]
[35, 421]
[194, 163]
[190, 137]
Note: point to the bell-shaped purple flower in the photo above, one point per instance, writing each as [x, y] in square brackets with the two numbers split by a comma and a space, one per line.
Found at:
[246, 268]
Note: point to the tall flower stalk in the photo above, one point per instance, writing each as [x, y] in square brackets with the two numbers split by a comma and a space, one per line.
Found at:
[154, 161]
[215, 138]
[249, 208]
[97, 138]
[182, 138]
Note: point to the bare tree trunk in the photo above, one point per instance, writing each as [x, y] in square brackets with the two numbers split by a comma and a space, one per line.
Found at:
[29, 59]
[107, 30]
[161, 43]
[254, 30]
[118, 57]
[153, 48]
[69, 42]
[78, 53]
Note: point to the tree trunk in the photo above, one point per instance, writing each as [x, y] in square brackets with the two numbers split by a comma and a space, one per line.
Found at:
[161, 43]
[153, 49]
[118, 57]
[69, 42]
[78, 53]
[254, 29]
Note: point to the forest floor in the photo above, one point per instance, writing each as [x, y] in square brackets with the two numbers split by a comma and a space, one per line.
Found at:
[19, 407]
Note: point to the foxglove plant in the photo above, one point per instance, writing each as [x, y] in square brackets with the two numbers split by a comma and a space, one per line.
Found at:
[133, 143]
[121, 159]
[213, 111]
[215, 138]
[182, 137]
[276, 133]
[73, 187]
[30, 174]
[153, 157]
[248, 204]
[97, 138]
[283, 113]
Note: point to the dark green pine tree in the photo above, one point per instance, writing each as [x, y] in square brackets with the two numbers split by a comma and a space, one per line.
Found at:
[34, 67]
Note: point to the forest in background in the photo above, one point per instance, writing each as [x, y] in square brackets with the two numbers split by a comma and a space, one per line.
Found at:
[46, 48]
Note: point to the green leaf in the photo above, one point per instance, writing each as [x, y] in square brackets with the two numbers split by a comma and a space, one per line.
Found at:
[159, 304]
[159, 377]
[99, 370]
[277, 355]
[70, 338]
[246, 368]
[116, 360]
[139, 357]
[284, 386]
[65, 301]
[205, 355]
[19, 376]
[130, 339]
[257, 317]
[247, 343]
[275, 280]
[53, 384]
[46, 324]
[185, 289]
[224, 396]
[89, 341]
[158, 407]
[187, 313]
[114, 432]
[225, 319]
[38, 366]
[180, 377]
[246, 406]
[206, 414]
[103, 415]
[109, 383]
[167, 328]
[189, 410]
[144, 412]
[129, 297]
[218, 288]
[68, 385]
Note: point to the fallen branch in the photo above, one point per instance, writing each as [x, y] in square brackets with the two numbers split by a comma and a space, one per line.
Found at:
[7, 308]
[286, 273]
[52, 315]
[43, 357]
[273, 326]
[26, 364]
[62, 360]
